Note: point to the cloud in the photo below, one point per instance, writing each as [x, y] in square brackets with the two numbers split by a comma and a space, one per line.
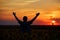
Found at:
[2, 12]
[6, 22]
[54, 1]
[42, 4]
[31, 1]
[18, 2]
[40, 22]
[57, 20]
[57, 1]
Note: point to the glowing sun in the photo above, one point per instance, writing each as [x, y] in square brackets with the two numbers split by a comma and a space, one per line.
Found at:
[53, 22]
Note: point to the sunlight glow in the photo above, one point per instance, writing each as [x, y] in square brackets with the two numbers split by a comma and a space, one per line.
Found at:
[53, 22]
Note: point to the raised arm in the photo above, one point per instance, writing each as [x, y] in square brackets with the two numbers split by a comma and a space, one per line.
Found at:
[34, 18]
[19, 21]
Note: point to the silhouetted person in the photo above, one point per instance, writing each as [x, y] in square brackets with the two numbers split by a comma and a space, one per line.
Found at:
[25, 25]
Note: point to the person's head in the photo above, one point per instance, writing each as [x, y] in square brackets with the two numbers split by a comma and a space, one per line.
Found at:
[25, 18]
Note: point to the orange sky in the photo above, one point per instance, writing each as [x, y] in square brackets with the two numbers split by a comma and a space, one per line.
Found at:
[49, 10]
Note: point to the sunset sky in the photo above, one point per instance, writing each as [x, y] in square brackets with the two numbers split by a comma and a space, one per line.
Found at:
[49, 11]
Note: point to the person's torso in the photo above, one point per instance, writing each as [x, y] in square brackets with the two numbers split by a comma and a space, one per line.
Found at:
[25, 25]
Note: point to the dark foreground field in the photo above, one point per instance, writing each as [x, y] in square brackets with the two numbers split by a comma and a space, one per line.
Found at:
[37, 33]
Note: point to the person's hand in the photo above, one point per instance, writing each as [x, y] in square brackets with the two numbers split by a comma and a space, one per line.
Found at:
[14, 13]
[37, 14]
